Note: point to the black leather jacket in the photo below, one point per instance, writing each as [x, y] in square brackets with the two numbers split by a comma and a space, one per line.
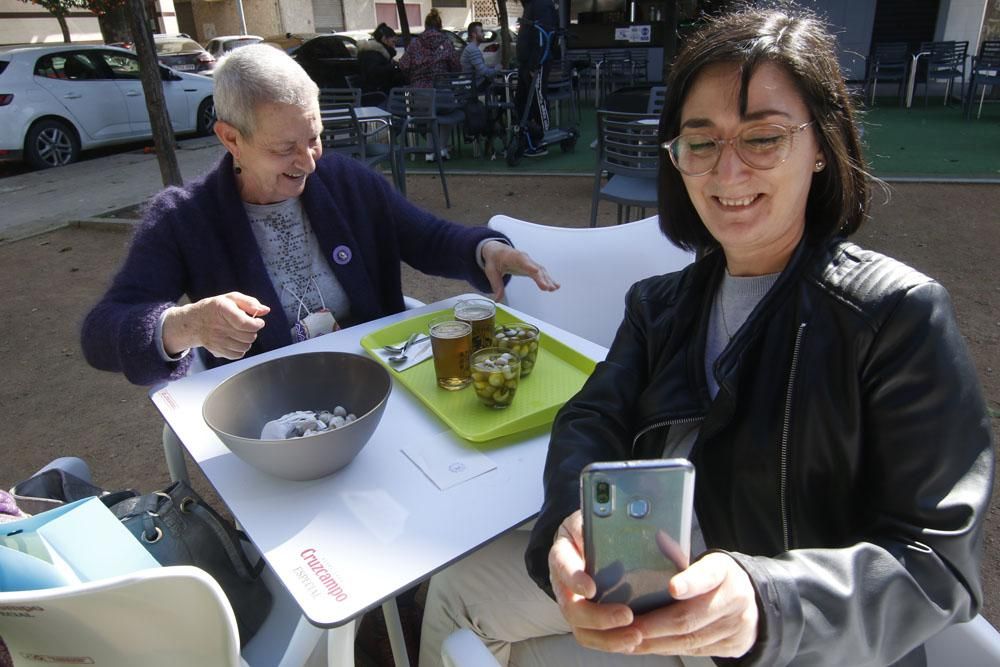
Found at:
[846, 462]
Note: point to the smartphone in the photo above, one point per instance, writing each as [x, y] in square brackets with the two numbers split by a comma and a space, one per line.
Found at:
[637, 528]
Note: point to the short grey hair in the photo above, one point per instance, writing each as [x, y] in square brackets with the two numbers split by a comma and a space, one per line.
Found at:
[258, 74]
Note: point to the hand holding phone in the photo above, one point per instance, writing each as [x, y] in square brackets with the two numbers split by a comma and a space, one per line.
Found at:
[637, 528]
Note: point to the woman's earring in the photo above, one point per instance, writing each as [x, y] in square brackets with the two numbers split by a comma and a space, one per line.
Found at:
[237, 169]
[819, 165]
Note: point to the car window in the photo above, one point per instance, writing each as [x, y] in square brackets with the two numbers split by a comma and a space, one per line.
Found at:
[3, 65]
[237, 43]
[168, 47]
[122, 65]
[73, 66]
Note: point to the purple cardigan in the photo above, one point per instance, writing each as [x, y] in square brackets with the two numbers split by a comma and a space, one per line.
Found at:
[197, 241]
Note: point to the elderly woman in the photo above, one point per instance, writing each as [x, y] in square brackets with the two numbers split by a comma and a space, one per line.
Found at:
[823, 393]
[274, 244]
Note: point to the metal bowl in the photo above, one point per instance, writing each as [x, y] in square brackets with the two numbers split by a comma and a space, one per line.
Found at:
[240, 406]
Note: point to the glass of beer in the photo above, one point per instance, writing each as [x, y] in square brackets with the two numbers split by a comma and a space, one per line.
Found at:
[451, 343]
[480, 314]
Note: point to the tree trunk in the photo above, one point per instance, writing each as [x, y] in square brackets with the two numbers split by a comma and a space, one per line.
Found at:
[505, 53]
[669, 36]
[114, 25]
[152, 87]
[64, 27]
[404, 22]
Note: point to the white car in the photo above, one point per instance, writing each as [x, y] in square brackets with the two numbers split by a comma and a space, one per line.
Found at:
[58, 100]
[220, 46]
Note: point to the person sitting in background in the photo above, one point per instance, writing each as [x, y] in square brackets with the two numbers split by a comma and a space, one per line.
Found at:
[428, 54]
[824, 393]
[472, 57]
[376, 64]
[274, 244]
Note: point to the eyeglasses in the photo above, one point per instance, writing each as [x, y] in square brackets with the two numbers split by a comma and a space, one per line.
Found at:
[760, 147]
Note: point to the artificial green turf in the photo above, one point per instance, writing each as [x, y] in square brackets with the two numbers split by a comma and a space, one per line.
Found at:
[931, 141]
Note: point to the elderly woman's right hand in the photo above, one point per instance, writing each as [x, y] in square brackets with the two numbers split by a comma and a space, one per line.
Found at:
[225, 325]
[600, 626]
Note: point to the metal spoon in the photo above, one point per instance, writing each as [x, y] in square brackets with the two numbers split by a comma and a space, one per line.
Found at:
[398, 350]
[401, 357]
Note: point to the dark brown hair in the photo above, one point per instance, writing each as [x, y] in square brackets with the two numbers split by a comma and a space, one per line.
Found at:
[801, 45]
[433, 20]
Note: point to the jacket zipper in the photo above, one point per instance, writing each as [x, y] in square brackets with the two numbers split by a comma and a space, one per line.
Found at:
[666, 422]
[785, 428]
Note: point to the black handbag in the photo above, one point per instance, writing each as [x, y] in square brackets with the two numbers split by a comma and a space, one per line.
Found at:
[177, 527]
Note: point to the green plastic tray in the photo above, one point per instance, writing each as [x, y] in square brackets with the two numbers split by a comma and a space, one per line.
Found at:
[559, 373]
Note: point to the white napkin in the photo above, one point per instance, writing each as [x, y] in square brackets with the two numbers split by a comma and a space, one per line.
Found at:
[447, 460]
[418, 352]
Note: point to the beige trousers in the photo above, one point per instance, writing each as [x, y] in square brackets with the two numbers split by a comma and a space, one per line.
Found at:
[490, 593]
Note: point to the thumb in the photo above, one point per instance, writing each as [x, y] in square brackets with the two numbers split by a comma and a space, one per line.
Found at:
[248, 304]
[703, 576]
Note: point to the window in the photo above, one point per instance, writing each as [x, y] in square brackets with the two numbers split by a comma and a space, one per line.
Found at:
[123, 66]
[459, 4]
[74, 66]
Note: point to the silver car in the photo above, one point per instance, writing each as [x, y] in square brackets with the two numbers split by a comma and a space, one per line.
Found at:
[58, 100]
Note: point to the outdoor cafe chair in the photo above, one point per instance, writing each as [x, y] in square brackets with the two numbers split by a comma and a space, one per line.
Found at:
[344, 134]
[945, 61]
[160, 617]
[328, 96]
[415, 116]
[629, 151]
[455, 90]
[559, 88]
[657, 96]
[596, 267]
[888, 62]
[985, 72]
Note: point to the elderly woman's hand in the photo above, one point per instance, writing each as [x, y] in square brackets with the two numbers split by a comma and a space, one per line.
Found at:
[715, 613]
[225, 325]
[500, 259]
[600, 626]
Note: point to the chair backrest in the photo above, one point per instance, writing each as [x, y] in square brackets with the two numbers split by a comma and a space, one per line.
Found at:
[973, 643]
[160, 617]
[888, 56]
[341, 130]
[414, 103]
[989, 49]
[945, 55]
[628, 143]
[460, 85]
[657, 95]
[328, 96]
[594, 266]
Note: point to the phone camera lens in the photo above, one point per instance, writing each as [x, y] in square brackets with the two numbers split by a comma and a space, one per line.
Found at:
[603, 495]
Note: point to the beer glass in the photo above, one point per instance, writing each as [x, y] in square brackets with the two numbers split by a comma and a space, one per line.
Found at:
[451, 343]
[480, 314]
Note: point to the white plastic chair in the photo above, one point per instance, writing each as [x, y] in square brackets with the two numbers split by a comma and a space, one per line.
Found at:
[594, 266]
[160, 617]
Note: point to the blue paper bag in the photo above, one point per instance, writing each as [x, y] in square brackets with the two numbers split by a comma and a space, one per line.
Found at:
[81, 541]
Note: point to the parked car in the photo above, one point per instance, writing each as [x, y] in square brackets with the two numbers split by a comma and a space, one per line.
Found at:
[220, 46]
[58, 100]
[182, 53]
[327, 58]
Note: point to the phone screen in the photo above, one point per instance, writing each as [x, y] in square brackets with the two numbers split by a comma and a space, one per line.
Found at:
[637, 528]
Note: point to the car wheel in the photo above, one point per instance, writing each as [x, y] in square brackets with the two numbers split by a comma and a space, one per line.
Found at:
[51, 143]
[206, 116]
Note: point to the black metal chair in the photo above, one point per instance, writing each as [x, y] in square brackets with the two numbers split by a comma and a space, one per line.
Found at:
[343, 133]
[657, 95]
[985, 72]
[888, 62]
[455, 90]
[559, 88]
[628, 149]
[945, 61]
[415, 119]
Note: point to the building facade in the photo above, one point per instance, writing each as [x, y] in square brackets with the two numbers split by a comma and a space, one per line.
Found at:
[28, 23]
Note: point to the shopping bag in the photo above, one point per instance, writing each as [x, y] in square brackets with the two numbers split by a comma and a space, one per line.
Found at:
[78, 542]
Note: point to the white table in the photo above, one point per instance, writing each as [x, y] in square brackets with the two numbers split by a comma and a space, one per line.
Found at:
[378, 526]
